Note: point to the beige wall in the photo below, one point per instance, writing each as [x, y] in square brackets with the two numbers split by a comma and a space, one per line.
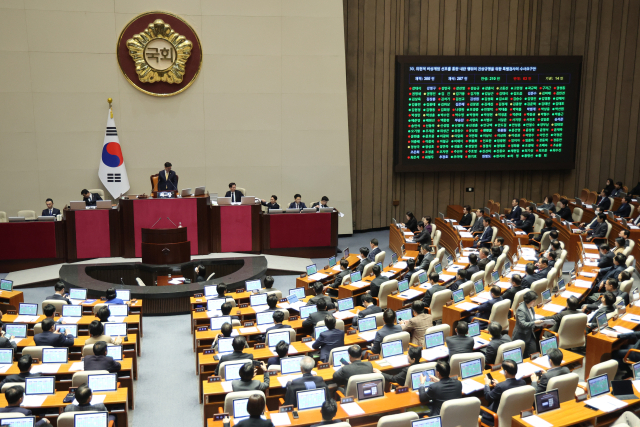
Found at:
[268, 111]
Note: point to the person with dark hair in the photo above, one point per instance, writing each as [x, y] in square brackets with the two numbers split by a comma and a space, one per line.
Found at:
[625, 208]
[15, 396]
[59, 293]
[278, 318]
[364, 259]
[52, 338]
[426, 220]
[272, 302]
[442, 388]
[268, 282]
[297, 202]
[112, 297]
[460, 343]
[375, 250]
[594, 302]
[412, 222]
[609, 185]
[499, 244]
[633, 342]
[525, 222]
[543, 269]
[413, 355]
[5, 340]
[493, 396]
[369, 308]
[318, 288]
[226, 308]
[465, 221]
[483, 258]
[555, 361]
[422, 237]
[329, 339]
[332, 289]
[608, 306]
[529, 277]
[411, 269]
[516, 282]
[484, 240]
[479, 224]
[548, 227]
[572, 308]
[328, 411]
[322, 203]
[621, 244]
[90, 199]
[96, 330]
[83, 397]
[564, 212]
[434, 279]
[306, 367]
[24, 365]
[618, 266]
[603, 201]
[221, 288]
[495, 253]
[225, 332]
[516, 211]
[235, 194]
[418, 324]
[167, 179]
[425, 257]
[246, 381]
[255, 408]
[99, 361]
[238, 345]
[600, 230]
[310, 322]
[50, 211]
[282, 350]
[354, 366]
[617, 189]
[374, 288]
[273, 202]
[388, 328]
[484, 310]
[103, 313]
[548, 204]
[461, 277]
[473, 265]
[526, 323]
[201, 274]
[497, 339]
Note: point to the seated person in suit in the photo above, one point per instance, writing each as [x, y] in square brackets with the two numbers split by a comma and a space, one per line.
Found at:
[543, 269]
[306, 367]
[620, 245]
[548, 226]
[236, 195]
[225, 332]
[497, 339]
[499, 243]
[466, 216]
[329, 339]
[99, 361]
[273, 202]
[246, 381]
[83, 396]
[461, 277]
[473, 265]
[460, 343]
[364, 259]
[24, 365]
[555, 360]
[529, 277]
[49, 337]
[595, 300]
[226, 308]
[479, 225]
[414, 355]
[625, 208]
[369, 308]
[389, 328]
[255, 408]
[617, 189]
[441, 389]
[412, 222]
[493, 396]
[516, 211]
[238, 345]
[90, 199]
[201, 273]
[483, 258]
[494, 253]
[272, 302]
[15, 396]
[311, 321]
[96, 330]
[297, 202]
[278, 318]
[332, 288]
[619, 355]
[103, 313]
[552, 257]
[625, 235]
[375, 250]
[484, 310]
[606, 256]
[167, 179]
[418, 324]
[548, 204]
[411, 269]
[50, 211]
[221, 289]
[112, 297]
[600, 229]
[354, 366]
[329, 410]
[619, 264]
[516, 282]
[322, 203]
[423, 236]
[282, 350]
[426, 220]
[425, 257]
[525, 223]
[484, 239]
[374, 288]
[268, 285]
[564, 213]
[318, 288]
[434, 279]
[5, 340]
[608, 306]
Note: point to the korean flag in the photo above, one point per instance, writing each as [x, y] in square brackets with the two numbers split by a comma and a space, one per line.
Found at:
[112, 171]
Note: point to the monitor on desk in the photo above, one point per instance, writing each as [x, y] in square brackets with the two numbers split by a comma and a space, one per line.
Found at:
[391, 348]
[598, 385]
[561, 285]
[457, 296]
[602, 321]
[450, 260]
[252, 285]
[186, 192]
[123, 294]
[415, 378]
[21, 422]
[546, 296]
[276, 211]
[478, 286]
[224, 201]
[345, 304]
[240, 408]
[103, 204]
[471, 368]
[115, 351]
[258, 299]
[292, 299]
[232, 371]
[311, 269]
[265, 317]
[78, 293]
[403, 285]
[474, 329]
[290, 365]
[6, 285]
[18, 330]
[514, 354]
[215, 303]
[248, 200]
[506, 269]
[338, 356]
[367, 324]
[370, 389]
[199, 191]
[93, 419]
[331, 261]
[27, 309]
[6, 356]
[275, 337]
[68, 329]
[210, 291]
[115, 329]
[318, 330]
[636, 371]
[355, 277]
[55, 355]
[345, 253]
[306, 310]
[422, 277]
[71, 310]
[434, 339]
[438, 268]
[39, 385]
[427, 422]
[547, 345]
[217, 322]
[225, 345]
[394, 257]
[118, 309]
[547, 401]
[495, 276]
[299, 292]
[310, 399]
[404, 314]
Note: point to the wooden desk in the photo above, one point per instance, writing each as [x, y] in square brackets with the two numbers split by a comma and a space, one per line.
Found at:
[32, 244]
[312, 235]
[397, 239]
[306, 283]
[11, 299]
[450, 238]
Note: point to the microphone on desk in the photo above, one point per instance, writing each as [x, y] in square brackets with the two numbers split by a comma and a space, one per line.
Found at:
[172, 222]
[156, 222]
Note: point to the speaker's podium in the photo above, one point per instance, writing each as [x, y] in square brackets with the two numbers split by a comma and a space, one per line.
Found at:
[165, 246]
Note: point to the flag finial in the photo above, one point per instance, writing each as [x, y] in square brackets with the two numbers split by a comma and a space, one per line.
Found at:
[110, 100]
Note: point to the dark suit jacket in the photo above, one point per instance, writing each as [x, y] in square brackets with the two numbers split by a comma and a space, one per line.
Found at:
[375, 285]
[59, 297]
[52, 339]
[482, 263]
[45, 212]
[472, 269]
[466, 219]
[541, 274]
[342, 375]
[634, 337]
[412, 224]
[423, 237]
[439, 392]
[383, 332]
[372, 309]
[327, 341]
[372, 254]
[524, 329]
[311, 321]
[400, 378]
[606, 260]
[486, 237]
[233, 356]
[301, 205]
[544, 378]
[493, 396]
[478, 226]
[624, 210]
[5, 343]
[238, 195]
[240, 385]
[425, 260]
[491, 351]
[167, 185]
[255, 422]
[94, 198]
[600, 230]
[558, 318]
[338, 279]
[527, 281]
[362, 265]
[458, 344]
[275, 360]
[299, 384]
[269, 205]
[515, 213]
[101, 363]
[526, 225]
[565, 214]
[18, 378]
[428, 296]
[484, 309]
[455, 285]
[604, 203]
[511, 292]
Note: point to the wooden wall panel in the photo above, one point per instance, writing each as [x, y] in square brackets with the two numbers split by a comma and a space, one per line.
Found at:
[604, 32]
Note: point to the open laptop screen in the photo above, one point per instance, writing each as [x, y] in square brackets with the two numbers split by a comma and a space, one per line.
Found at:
[6, 356]
[94, 419]
[474, 329]
[370, 389]
[469, 369]
[367, 324]
[310, 399]
[19, 422]
[405, 314]
[55, 355]
[215, 303]
[265, 318]
[598, 385]
[123, 294]
[306, 310]
[547, 345]
[318, 330]
[299, 292]
[225, 345]
[6, 285]
[252, 285]
[434, 339]
[18, 330]
[78, 294]
[391, 348]
[114, 351]
[71, 310]
[515, 355]
[39, 385]
[338, 356]
[28, 309]
[415, 378]
[217, 322]
[115, 329]
[345, 304]
[458, 295]
[275, 338]
[103, 382]
[403, 285]
[427, 422]
[259, 299]
[311, 270]
[547, 401]
[290, 365]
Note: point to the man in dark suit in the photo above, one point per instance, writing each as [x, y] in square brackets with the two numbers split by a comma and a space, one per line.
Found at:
[411, 269]
[634, 343]
[414, 354]
[603, 202]
[374, 289]
[461, 277]
[497, 339]
[495, 253]
[282, 349]
[484, 259]
[369, 308]
[273, 202]
[423, 237]
[572, 308]
[606, 257]
[83, 397]
[59, 293]
[529, 277]
[311, 321]
[318, 288]
[236, 195]
[460, 343]
[425, 257]
[473, 265]
[375, 250]
[625, 208]
[329, 339]
[600, 229]
[493, 396]
[608, 306]
[525, 222]
[543, 269]
[306, 366]
[5, 339]
[479, 224]
[297, 203]
[322, 203]
[50, 211]
[435, 287]
[516, 286]
[441, 389]
[484, 309]
[49, 337]
[617, 189]
[364, 261]
[389, 328]
[328, 411]
[564, 212]
[167, 179]
[238, 345]
[345, 272]
[24, 365]
[555, 360]
[99, 361]
[516, 211]
[15, 396]
[278, 318]
[355, 366]
[484, 240]
[246, 381]
[90, 199]
[255, 408]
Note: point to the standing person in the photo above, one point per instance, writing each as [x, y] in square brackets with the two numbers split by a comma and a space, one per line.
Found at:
[273, 202]
[526, 323]
[167, 179]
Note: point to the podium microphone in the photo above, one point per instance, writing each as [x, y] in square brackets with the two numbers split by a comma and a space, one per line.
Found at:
[172, 222]
[121, 281]
[156, 222]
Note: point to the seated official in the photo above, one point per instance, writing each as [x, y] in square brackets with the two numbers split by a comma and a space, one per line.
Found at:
[329, 410]
[369, 308]
[310, 322]
[606, 256]
[479, 224]
[50, 211]
[268, 282]
[49, 337]
[167, 179]
[90, 199]
[493, 396]
[221, 289]
[375, 250]
[555, 360]
[461, 277]
[564, 213]
[548, 204]
[473, 265]
[422, 237]
[609, 285]
[306, 367]
[543, 269]
[484, 310]
[226, 308]
[460, 343]
[603, 201]
[83, 396]
[225, 332]
[619, 355]
[625, 208]
[99, 361]
[201, 274]
[272, 302]
[495, 253]
[588, 228]
[434, 279]
[525, 222]
[619, 264]
[297, 203]
[411, 222]
[572, 308]
[600, 229]
[282, 350]
[318, 288]
[236, 195]
[332, 288]
[5, 340]
[59, 293]
[607, 306]
[246, 381]
[112, 297]
[483, 259]
[329, 339]
[238, 345]
[104, 313]
[552, 257]
[364, 259]
[414, 354]
[484, 240]
[516, 286]
[554, 245]
[417, 326]
[24, 365]
[497, 339]
[15, 396]
[529, 276]
[354, 366]
[621, 245]
[96, 330]
[374, 288]
[388, 328]
[516, 211]
[273, 202]
[441, 389]
[322, 203]
[278, 318]
[411, 269]
[499, 243]
[255, 407]
[466, 216]
[548, 226]
[425, 257]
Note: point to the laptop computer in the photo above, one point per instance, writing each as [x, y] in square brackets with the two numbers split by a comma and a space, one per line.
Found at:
[199, 191]
[345, 304]
[217, 322]
[458, 296]
[318, 330]
[240, 409]
[103, 204]
[403, 285]
[232, 371]
[210, 291]
[392, 351]
[547, 401]
[118, 309]
[28, 309]
[404, 314]
[427, 422]
[299, 292]
[310, 399]
[248, 200]
[370, 389]
[35, 386]
[275, 337]
[367, 328]
[306, 310]
[331, 261]
[20, 422]
[68, 329]
[77, 205]
[224, 201]
[547, 345]
[6, 285]
[598, 385]
[415, 378]
[355, 277]
[546, 296]
[495, 276]
[478, 286]
[17, 219]
[123, 294]
[622, 389]
[18, 330]
[276, 211]
[474, 332]
[186, 192]
[225, 345]
[6, 356]
[77, 293]
[513, 354]
[102, 382]
[71, 311]
[338, 356]
[422, 277]
[561, 285]
[215, 303]
[265, 318]
[115, 351]
[213, 197]
[46, 218]
[311, 269]
[55, 355]
[636, 371]
[471, 368]
[438, 268]
[290, 365]
[345, 253]
[93, 419]
[114, 329]
[258, 299]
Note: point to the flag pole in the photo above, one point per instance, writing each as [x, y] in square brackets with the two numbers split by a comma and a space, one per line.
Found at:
[110, 100]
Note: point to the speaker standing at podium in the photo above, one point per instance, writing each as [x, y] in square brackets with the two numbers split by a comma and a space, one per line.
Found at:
[167, 179]
[236, 195]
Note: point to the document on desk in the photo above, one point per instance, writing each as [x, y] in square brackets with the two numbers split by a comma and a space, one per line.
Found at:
[33, 401]
[553, 307]
[227, 386]
[76, 366]
[463, 259]
[435, 353]
[593, 255]
[589, 246]
[249, 330]
[4, 368]
[529, 257]
[176, 281]
[446, 277]
[588, 274]
[408, 233]
[606, 403]
[633, 318]
[387, 273]
[536, 421]
[465, 234]
[116, 319]
[352, 409]
[310, 344]
[407, 257]
[318, 276]
[336, 268]
[260, 308]
[96, 399]
[280, 419]
[569, 294]
[504, 285]
[360, 284]
[70, 320]
[466, 306]
[409, 293]
[400, 265]
[526, 369]
[470, 386]
[460, 227]
[590, 263]
[26, 319]
[367, 336]
[520, 267]
[454, 268]
[582, 284]
[622, 330]
[543, 361]
[520, 233]
[344, 315]
[636, 385]
[46, 368]
[263, 328]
